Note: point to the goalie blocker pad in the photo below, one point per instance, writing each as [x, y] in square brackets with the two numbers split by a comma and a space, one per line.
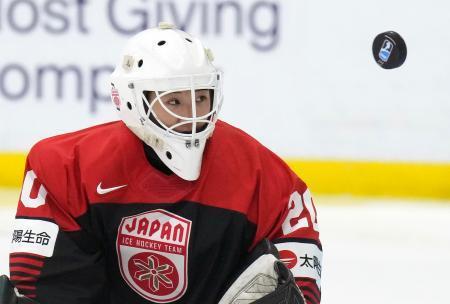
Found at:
[263, 279]
[9, 295]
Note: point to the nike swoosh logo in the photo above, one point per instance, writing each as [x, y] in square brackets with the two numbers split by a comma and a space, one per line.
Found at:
[101, 190]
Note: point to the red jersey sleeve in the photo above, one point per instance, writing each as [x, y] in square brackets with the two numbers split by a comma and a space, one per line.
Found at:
[52, 257]
[288, 217]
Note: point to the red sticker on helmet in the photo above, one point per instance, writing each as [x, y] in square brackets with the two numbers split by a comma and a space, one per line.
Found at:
[115, 97]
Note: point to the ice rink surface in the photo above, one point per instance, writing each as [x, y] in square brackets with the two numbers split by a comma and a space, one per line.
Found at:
[375, 250]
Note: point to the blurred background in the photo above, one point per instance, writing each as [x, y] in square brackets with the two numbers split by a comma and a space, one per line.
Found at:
[373, 145]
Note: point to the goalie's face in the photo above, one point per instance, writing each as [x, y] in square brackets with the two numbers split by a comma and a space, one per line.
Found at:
[175, 109]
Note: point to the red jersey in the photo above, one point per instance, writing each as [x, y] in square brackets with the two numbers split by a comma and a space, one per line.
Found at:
[97, 223]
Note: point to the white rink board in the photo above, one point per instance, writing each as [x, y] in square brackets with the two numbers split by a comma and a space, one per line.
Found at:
[314, 91]
[375, 251]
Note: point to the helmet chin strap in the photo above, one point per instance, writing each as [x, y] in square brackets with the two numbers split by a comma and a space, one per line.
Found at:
[155, 161]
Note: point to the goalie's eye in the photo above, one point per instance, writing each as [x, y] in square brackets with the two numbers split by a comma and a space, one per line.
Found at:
[173, 102]
[201, 98]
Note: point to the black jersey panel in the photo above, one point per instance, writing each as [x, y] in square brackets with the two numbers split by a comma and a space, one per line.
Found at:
[218, 241]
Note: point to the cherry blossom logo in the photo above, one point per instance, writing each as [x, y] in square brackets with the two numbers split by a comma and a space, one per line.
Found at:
[153, 272]
[152, 250]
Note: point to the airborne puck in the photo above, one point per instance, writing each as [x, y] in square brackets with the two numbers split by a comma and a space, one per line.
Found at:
[389, 50]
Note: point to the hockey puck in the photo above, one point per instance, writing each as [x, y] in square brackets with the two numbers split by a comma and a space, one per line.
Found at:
[389, 50]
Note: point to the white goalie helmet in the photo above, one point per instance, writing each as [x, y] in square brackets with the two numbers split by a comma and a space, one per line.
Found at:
[158, 62]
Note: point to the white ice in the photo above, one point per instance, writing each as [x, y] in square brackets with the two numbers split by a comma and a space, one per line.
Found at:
[375, 251]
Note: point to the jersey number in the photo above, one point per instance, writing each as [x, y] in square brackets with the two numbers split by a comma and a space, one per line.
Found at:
[25, 197]
[294, 219]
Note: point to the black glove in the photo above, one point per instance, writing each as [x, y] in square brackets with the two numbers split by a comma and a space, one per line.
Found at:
[287, 290]
[263, 279]
[8, 294]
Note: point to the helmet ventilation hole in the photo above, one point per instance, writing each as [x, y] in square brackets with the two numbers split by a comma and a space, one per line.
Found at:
[169, 155]
[162, 42]
[189, 40]
[129, 105]
[140, 63]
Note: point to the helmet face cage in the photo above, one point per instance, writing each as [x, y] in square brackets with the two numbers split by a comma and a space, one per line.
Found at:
[207, 118]
[164, 86]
